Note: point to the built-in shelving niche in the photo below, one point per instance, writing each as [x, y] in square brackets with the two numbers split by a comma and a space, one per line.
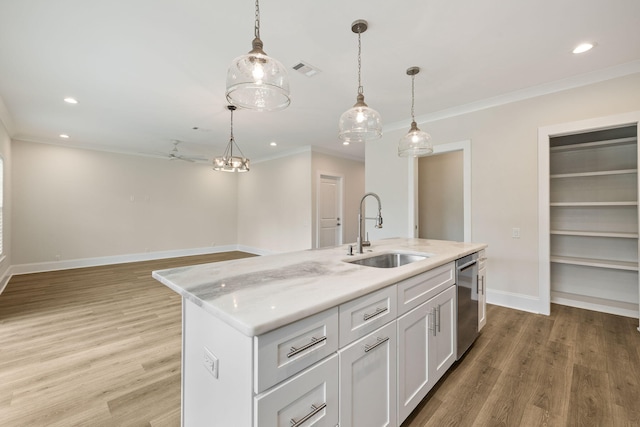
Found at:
[593, 189]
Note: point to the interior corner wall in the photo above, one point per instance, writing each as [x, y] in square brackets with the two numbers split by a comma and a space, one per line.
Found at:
[5, 152]
[352, 172]
[274, 207]
[504, 176]
[71, 204]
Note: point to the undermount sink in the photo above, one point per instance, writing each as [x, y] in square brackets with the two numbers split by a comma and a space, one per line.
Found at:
[389, 260]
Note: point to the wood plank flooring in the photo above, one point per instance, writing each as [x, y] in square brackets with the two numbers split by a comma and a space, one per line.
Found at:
[95, 346]
[101, 347]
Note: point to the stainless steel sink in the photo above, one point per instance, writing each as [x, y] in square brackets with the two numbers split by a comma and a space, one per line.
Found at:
[389, 260]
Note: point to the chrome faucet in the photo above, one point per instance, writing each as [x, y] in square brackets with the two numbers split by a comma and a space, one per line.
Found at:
[361, 242]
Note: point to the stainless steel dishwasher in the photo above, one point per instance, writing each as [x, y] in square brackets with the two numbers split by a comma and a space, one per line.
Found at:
[467, 288]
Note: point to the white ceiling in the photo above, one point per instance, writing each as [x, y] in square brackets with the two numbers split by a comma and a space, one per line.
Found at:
[146, 72]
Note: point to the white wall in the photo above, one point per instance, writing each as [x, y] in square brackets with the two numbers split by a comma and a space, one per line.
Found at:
[75, 204]
[274, 208]
[504, 172]
[352, 172]
[5, 258]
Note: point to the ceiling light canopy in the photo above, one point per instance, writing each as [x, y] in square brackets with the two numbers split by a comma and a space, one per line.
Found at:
[256, 81]
[228, 162]
[583, 47]
[415, 143]
[359, 123]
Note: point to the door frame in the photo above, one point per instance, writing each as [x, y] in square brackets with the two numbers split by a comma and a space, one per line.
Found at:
[545, 133]
[340, 179]
[465, 147]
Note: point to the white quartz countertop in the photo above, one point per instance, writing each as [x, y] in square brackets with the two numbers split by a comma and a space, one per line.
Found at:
[259, 294]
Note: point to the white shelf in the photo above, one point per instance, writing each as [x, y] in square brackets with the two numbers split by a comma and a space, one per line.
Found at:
[595, 234]
[587, 204]
[598, 263]
[595, 144]
[599, 173]
[620, 308]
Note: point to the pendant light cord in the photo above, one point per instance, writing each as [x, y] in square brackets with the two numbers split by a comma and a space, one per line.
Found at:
[360, 91]
[256, 28]
[413, 80]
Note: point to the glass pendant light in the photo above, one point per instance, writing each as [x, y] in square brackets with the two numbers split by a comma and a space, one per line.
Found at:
[359, 123]
[255, 81]
[415, 143]
[228, 162]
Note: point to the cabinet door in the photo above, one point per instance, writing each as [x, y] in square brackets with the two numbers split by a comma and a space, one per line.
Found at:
[482, 295]
[308, 399]
[414, 378]
[368, 380]
[444, 339]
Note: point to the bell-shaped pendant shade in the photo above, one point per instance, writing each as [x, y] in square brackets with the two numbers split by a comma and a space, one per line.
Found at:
[258, 82]
[359, 123]
[415, 143]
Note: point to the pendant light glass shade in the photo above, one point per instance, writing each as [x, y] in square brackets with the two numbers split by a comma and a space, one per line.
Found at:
[228, 162]
[415, 143]
[256, 81]
[359, 123]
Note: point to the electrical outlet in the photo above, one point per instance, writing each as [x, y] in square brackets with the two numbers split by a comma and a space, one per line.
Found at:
[515, 232]
[211, 362]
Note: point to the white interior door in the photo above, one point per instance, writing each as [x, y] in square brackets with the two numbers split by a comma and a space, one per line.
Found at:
[329, 211]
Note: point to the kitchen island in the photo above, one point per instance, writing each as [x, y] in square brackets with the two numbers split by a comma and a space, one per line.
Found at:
[265, 338]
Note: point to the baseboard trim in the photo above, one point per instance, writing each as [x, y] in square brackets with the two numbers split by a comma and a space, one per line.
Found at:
[513, 300]
[123, 259]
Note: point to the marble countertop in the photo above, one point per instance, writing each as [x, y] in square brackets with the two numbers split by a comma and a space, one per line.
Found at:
[259, 294]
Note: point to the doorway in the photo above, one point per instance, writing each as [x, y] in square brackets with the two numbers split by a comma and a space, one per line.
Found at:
[441, 200]
[329, 224]
[459, 228]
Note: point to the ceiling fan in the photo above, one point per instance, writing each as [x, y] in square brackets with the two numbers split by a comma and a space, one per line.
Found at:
[174, 154]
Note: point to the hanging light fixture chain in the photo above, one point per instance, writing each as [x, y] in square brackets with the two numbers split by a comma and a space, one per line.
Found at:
[413, 97]
[360, 91]
[256, 28]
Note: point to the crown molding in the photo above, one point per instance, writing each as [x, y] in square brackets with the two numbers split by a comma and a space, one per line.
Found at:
[526, 93]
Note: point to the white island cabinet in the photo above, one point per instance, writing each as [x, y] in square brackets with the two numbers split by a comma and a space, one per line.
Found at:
[310, 339]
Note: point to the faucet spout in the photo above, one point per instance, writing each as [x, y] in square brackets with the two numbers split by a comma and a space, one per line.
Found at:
[361, 219]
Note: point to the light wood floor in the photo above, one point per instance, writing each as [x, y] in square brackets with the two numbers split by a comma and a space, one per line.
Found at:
[101, 347]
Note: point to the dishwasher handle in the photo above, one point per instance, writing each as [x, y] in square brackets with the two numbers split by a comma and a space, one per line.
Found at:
[467, 265]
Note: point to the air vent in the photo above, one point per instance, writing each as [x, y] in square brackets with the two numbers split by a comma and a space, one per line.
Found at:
[306, 69]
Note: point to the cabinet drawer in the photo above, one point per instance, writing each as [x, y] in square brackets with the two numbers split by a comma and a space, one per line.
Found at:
[414, 291]
[366, 314]
[292, 348]
[309, 398]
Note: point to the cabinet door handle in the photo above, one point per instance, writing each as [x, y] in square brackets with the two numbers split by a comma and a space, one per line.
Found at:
[379, 341]
[378, 312]
[314, 410]
[432, 326]
[438, 322]
[313, 342]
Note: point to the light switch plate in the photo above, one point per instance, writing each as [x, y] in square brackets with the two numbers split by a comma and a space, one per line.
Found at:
[515, 232]
[211, 362]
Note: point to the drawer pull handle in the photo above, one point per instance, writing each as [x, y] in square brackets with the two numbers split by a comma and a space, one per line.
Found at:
[314, 410]
[380, 341]
[374, 314]
[313, 342]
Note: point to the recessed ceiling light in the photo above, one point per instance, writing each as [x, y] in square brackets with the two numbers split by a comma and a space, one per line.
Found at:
[273, 143]
[345, 142]
[70, 100]
[583, 47]
[64, 136]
